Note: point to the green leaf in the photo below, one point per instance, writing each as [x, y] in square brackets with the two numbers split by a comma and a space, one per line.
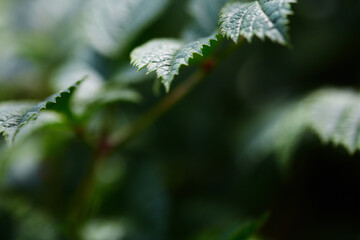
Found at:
[11, 116]
[335, 116]
[15, 115]
[112, 24]
[332, 114]
[111, 94]
[166, 56]
[263, 18]
[114, 94]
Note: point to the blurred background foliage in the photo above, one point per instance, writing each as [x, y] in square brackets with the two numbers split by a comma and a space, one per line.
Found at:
[191, 175]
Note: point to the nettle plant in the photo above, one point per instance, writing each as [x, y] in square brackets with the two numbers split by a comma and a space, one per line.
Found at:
[239, 20]
[85, 106]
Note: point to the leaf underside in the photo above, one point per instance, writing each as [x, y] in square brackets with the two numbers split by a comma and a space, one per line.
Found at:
[262, 18]
[15, 115]
[166, 56]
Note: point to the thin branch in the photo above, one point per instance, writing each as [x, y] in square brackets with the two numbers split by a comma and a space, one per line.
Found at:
[158, 110]
[110, 144]
[83, 197]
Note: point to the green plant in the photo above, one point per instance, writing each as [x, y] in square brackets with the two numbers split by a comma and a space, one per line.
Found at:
[78, 140]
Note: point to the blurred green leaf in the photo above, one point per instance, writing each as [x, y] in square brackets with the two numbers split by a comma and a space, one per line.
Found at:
[31, 223]
[111, 94]
[41, 16]
[100, 229]
[111, 25]
[38, 28]
[333, 114]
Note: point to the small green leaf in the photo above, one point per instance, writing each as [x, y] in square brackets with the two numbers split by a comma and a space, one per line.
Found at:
[15, 115]
[166, 56]
[263, 18]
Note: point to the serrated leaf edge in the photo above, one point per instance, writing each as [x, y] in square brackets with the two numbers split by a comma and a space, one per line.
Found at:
[47, 101]
[167, 82]
[226, 35]
[26, 119]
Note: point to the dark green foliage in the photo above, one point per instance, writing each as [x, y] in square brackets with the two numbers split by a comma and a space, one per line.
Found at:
[272, 127]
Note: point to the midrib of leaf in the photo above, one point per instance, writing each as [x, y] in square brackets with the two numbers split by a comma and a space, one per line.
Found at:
[172, 71]
[273, 23]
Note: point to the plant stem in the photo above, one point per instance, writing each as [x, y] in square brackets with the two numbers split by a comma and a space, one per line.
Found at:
[158, 110]
[84, 196]
[108, 145]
